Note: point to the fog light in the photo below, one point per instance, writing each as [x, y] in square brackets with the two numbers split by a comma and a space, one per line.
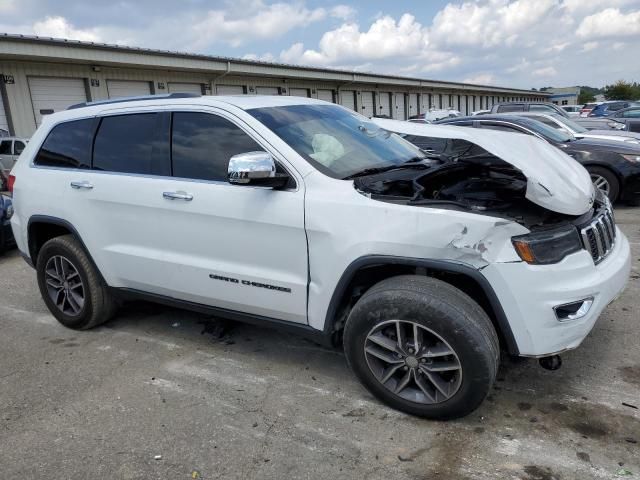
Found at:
[573, 310]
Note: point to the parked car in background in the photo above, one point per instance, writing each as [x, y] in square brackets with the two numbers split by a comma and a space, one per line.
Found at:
[306, 215]
[600, 123]
[542, 107]
[614, 167]
[572, 110]
[569, 126]
[6, 233]
[584, 111]
[10, 150]
[630, 116]
[606, 109]
[480, 112]
[436, 114]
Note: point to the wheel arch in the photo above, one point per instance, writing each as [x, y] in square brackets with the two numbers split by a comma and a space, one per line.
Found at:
[375, 268]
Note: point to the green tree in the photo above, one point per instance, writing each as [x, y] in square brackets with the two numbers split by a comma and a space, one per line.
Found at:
[585, 97]
[621, 90]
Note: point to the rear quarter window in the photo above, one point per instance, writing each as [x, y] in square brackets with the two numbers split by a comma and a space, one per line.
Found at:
[68, 145]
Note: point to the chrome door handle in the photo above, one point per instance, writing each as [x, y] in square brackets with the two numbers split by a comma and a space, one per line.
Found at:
[187, 197]
[84, 185]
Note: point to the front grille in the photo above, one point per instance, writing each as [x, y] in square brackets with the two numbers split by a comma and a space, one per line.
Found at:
[599, 235]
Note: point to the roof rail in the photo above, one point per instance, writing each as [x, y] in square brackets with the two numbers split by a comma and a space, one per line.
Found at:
[132, 99]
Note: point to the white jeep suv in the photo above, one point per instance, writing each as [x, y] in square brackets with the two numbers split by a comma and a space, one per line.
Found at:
[423, 264]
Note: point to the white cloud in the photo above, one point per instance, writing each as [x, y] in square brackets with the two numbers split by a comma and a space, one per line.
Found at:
[265, 57]
[545, 72]
[481, 79]
[59, 27]
[589, 46]
[265, 22]
[385, 38]
[586, 6]
[610, 22]
[343, 12]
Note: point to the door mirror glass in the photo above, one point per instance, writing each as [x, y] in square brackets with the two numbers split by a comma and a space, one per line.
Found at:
[256, 169]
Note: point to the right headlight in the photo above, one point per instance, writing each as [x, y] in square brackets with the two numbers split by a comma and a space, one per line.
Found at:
[549, 246]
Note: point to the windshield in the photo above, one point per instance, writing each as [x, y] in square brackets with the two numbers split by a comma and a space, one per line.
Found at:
[546, 131]
[336, 141]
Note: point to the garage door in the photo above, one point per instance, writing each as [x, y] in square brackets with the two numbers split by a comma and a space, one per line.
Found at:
[267, 91]
[299, 92]
[463, 104]
[384, 109]
[4, 124]
[326, 95]
[366, 104]
[185, 88]
[128, 88]
[413, 104]
[49, 95]
[348, 99]
[229, 90]
[399, 107]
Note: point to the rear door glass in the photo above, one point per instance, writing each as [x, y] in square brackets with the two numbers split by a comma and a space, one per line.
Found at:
[134, 143]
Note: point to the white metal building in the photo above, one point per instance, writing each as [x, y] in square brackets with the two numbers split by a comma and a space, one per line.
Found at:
[39, 76]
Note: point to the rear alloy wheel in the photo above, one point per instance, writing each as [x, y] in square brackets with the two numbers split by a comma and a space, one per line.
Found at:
[606, 181]
[71, 286]
[422, 346]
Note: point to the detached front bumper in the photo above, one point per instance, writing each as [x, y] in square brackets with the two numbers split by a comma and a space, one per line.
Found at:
[529, 293]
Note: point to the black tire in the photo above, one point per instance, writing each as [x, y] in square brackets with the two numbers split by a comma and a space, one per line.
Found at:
[445, 311]
[98, 307]
[610, 177]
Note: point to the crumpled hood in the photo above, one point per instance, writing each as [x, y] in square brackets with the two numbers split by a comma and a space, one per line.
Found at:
[555, 181]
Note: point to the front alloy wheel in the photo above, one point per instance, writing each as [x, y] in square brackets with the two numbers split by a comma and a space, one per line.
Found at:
[413, 362]
[601, 183]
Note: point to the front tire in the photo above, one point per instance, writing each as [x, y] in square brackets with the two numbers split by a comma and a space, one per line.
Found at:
[422, 346]
[71, 286]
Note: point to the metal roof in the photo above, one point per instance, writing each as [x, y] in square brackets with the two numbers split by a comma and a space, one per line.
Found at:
[326, 73]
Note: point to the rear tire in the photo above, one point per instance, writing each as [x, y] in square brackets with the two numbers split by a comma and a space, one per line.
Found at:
[443, 357]
[606, 180]
[71, 286]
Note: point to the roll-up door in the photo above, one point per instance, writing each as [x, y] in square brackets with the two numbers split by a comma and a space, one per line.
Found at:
[128, 88]
[366, 109]
[348, 99]
[267, 91]
[463, 104]
[49, 95]
[175, 87]
[399, 106]
[4, 124]
[299, 92]
[229, 90]
[326, 95]
[413, 104]
[384, 109]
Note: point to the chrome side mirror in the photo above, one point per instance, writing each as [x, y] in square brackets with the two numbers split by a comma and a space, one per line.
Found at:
[257, 169]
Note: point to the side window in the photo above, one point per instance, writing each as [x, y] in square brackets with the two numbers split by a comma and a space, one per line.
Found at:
[134, 143]
[614, 107]
[631, 113]
[542, 108]
[548, 121]
[18, 147]
[68, 145]
[202, 145]
[511, 108]
[5, 147]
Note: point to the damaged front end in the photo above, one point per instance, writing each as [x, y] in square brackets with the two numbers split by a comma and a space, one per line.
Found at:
[463, 176]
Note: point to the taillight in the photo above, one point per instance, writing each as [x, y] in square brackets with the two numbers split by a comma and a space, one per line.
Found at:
[11, 183]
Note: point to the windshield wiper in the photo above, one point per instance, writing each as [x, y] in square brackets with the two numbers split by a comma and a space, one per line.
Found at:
[411, 163]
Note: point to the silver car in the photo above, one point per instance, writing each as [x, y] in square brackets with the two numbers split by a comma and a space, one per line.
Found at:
[569, 126]
[10, 150]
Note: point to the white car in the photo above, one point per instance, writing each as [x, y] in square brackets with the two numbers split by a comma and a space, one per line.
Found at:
[435, 114]
[572, 110]
[569, 126]
[302, 214]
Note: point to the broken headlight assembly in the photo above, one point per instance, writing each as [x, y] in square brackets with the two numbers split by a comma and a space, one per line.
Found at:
[549, 246]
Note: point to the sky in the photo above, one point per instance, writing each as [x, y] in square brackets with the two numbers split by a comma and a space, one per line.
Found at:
[511, 43]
